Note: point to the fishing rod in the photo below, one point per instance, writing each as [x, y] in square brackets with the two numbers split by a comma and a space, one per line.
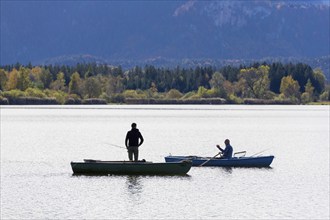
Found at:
[260, 152]
[114, 145]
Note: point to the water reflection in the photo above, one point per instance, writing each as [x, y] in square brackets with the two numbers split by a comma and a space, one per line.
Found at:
[228, 170]
[134, 184]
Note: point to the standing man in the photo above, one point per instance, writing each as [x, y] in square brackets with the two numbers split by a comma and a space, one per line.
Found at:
[133, 140]
[227, 153]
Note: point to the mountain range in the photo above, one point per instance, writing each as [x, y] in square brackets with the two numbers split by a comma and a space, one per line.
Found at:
[162, 31]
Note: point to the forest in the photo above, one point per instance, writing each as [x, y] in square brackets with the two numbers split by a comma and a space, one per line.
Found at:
[92, 83]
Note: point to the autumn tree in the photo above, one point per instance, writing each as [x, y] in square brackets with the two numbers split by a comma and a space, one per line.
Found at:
[92, 88]
[152, 91]
[318, 81]
[75, 84]
[114, 85]
[217, 80]
[12, 80]
[217, 84]
[228, 88]
[325, 96]
[59, 83]
[3, 79]
[290, 88]
[254, 82]
[202, 92]
[35, 77]
[307, 96]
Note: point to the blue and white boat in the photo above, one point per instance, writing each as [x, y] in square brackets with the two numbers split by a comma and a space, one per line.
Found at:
[244, 161]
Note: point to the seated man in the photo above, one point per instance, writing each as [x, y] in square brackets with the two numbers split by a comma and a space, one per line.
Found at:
[227, 153]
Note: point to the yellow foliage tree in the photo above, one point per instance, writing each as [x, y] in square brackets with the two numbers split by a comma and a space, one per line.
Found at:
[12, 80]
[75, 83]
[59, 83]
[254, 82]
[3, 79]
[290, 88]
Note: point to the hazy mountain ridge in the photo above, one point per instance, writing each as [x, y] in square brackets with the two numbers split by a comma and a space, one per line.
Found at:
[166, 30]
[255, 29]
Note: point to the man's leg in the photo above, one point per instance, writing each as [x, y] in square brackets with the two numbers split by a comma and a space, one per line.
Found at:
[130, 154]
[136, 154]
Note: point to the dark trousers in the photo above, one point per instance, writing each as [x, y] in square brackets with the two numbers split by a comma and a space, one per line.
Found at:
[133, 151]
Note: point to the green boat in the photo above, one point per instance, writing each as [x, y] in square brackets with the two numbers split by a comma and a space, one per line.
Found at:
[99, 167]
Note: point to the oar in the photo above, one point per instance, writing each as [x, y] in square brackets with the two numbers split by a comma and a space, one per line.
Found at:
[209, 159]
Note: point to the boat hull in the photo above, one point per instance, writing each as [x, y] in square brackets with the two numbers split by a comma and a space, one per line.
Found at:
[262, 161]
[130, 168]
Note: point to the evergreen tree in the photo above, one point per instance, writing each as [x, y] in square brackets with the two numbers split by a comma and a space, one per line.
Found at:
[276, 72]
[23, 80]
[46, 78]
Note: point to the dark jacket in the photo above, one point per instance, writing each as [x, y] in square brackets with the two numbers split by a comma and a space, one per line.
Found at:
[132, 138]
[227, 152]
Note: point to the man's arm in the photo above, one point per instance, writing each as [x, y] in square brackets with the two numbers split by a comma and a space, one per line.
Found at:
[226, 151]
[126, 140]
[141, 139]
[219, 148]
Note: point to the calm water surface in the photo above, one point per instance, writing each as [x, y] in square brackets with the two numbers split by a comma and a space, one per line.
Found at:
[38, 143]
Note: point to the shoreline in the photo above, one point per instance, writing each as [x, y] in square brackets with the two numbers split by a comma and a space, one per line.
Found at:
[202, 101]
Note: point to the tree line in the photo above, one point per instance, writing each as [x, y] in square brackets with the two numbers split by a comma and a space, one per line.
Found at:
[298, 83]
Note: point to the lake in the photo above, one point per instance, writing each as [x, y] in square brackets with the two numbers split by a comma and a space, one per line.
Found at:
[39, 142]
